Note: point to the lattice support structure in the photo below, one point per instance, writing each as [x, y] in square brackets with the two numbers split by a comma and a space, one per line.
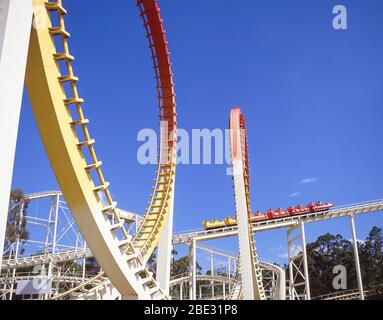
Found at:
[299, 285]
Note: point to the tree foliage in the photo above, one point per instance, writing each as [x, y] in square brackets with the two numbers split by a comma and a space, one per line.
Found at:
[329, 251]
[17, 223]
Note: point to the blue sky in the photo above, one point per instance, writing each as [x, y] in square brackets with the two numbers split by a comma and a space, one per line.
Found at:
[311, 95]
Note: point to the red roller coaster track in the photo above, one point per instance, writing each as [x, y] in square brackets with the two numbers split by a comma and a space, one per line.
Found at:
[158, 45]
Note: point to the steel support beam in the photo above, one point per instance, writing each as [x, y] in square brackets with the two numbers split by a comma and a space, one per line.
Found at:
[15, 26]
[192, 271]
[305, 263]
[165, 247]
[212, 274]
[298, 267]
[356, 256]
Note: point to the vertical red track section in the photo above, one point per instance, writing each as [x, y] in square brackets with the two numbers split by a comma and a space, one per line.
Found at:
[156, 34]
[251, 274]
[239, 147]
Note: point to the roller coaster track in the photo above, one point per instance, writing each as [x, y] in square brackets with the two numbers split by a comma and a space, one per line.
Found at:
[76, 280]
[57, 106]
[96, 288]
[288, 221]
[185, 278]
[46, 259]
[124, 215]
[42, 195]
[353, 294]
[251, 272]
[100, 286]
[280, 274]
[280, 284]
[236, 289]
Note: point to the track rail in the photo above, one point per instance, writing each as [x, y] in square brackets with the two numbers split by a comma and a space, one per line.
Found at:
[251, 277]
[58, 109]
[148, 235]
[185, 278]
[339, 212]
[96, 288]
[77, 280]
[352, 294]
[46, 259]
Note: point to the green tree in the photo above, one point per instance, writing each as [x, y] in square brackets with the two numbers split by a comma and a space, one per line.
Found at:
[323, 255]
[92, 267]
[371, 254]
[329, 251]
[17, 222]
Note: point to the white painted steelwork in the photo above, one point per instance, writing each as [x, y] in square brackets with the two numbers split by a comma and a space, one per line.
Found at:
[15, 26]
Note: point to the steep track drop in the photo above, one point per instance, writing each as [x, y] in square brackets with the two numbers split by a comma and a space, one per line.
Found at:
[251, 275]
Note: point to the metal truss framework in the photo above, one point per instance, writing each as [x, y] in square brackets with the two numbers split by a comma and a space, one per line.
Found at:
[275, 280]
[62, 242]
[56, 251]
[299, 286]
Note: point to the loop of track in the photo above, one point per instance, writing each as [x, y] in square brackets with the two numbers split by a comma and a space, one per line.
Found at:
[58, 109]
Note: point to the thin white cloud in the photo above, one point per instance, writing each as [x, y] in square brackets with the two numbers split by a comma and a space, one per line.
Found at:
[295, 194]
[309, 180]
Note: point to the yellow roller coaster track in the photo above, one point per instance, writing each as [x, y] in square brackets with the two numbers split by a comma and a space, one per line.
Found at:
[57, 106]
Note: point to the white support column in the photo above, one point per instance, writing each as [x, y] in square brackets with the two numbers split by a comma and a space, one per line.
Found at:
[165, 248]
[356, 256]
[305, 264]
[15, 26]
[181, 291]
[56, 204]
[281, 285]
[55, 209]
[212, 274]
[245, 253]
[17, 250]
[84, 262]
[229, 271]
[192, 271]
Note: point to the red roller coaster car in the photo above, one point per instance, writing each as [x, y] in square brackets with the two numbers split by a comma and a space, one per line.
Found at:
[279, 213]
[293, 211]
